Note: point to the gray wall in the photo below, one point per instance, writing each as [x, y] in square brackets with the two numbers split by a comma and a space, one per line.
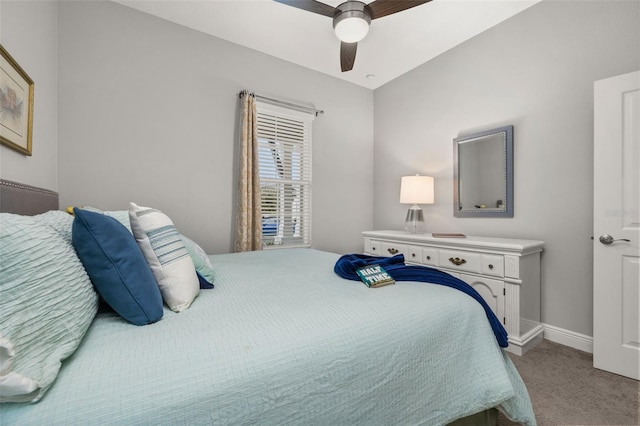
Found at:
[148, 113]
[535, 71]
[28, 31]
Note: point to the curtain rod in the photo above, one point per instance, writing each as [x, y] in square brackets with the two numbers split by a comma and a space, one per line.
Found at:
[279, 102]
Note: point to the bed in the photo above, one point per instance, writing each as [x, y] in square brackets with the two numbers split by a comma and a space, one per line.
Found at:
[281, 339]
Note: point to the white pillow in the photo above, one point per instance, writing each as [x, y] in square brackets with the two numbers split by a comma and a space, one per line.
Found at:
[166, 255]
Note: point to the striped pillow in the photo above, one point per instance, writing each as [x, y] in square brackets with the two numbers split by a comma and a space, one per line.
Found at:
[166, 255]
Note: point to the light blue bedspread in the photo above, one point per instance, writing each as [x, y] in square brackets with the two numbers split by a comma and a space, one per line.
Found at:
[283, 340]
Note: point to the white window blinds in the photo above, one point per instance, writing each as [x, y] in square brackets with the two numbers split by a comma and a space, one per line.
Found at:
[284, 156]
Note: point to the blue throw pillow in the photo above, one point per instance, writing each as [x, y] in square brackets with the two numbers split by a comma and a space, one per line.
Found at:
[117, 267]
[204, 284]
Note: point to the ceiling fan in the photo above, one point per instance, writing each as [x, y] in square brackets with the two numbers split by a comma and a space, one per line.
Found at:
[351, 20]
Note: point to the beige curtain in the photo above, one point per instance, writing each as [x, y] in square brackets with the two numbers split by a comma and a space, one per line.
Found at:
[248, 232]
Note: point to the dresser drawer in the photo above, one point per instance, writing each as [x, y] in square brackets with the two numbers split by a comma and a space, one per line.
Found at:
[372, 247]
[391, 249]
[413, 254]
[430, 256]
[492, 265]
[460, 260]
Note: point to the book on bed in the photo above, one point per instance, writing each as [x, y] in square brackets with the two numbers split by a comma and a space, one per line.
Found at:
[375, 276]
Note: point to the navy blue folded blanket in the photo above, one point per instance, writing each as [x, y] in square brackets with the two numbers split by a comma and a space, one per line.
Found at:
[347, 265]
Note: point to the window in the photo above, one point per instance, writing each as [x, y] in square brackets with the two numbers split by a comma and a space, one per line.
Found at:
[284, 156]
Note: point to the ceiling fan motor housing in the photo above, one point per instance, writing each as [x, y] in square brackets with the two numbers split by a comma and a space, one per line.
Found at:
[350, 10]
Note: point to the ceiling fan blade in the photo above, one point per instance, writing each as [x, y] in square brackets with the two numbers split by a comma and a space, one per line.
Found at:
[380, 8]
[347, 55]
[310, 6]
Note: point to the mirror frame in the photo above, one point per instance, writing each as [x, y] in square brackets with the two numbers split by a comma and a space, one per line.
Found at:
[507, 211]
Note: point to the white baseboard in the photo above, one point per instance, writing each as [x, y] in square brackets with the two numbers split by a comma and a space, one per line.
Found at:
[568, 338]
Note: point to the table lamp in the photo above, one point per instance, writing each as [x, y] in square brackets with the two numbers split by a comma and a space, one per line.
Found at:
[416, 190]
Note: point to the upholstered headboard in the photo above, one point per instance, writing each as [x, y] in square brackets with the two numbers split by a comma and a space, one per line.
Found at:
[24, 199]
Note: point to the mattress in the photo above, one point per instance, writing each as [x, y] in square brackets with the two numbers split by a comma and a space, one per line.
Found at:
[281, 339]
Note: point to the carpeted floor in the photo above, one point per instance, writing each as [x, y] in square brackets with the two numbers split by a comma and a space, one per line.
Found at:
[565, 389]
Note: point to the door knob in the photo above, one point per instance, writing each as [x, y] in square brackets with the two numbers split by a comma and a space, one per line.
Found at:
[608, 239]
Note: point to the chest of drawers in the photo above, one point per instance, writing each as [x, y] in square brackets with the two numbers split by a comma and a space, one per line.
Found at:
[506, 273]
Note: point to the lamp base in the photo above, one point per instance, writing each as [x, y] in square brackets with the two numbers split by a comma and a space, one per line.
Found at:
[414, 221]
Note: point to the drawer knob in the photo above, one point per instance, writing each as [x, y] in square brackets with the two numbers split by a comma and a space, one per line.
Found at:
[413, 255]
[457, 261]
[490, 266]
[373, 249]
[428, 257]
[392, 250]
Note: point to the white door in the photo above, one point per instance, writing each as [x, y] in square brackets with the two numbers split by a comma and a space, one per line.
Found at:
[616, 223]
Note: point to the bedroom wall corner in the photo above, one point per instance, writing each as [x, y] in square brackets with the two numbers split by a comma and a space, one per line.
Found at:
[536, 72]
[29, 32]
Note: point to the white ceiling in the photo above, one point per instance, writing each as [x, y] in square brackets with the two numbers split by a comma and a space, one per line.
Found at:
[395, 44]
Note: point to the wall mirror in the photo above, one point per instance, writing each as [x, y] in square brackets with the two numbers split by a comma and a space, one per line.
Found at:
[483, 174]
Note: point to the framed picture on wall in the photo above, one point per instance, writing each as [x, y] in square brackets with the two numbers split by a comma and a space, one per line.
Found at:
[16, 105]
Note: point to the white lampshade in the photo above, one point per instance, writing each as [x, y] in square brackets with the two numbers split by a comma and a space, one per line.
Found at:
[352, 29]
[416, 190]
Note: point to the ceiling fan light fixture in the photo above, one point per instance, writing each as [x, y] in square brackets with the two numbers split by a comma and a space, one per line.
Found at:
[351, 22]
[351, 30]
